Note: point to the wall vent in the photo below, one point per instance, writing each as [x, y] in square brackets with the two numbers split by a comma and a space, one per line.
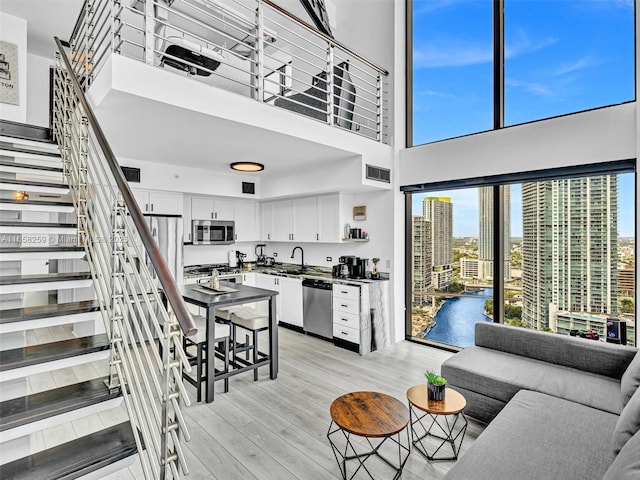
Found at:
[378, 174]
[249, 187]
[131, 174]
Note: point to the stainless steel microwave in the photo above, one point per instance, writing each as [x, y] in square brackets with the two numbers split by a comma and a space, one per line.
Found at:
[213, 232]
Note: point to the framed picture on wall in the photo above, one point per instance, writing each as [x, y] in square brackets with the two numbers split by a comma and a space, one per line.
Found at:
[9, 73]
[318, 13]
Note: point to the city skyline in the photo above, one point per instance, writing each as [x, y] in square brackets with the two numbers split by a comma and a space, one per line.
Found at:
[466, 208]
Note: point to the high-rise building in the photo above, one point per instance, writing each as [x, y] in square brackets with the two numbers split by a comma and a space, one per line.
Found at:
[421, 269]
[569, 249]
[438, 211]
[485, 239]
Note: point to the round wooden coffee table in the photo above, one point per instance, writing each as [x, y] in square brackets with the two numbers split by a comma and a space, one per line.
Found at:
[370, 415]
[444, 421]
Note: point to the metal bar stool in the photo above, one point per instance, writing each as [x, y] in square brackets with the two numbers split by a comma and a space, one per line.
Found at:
[253, 322]
[199, 341]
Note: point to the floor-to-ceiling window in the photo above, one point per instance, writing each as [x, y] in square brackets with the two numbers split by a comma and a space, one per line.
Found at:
[478, 65]
[560, 57]
[567, 255]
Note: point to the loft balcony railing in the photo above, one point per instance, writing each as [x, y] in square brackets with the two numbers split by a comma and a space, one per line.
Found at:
[250, 47]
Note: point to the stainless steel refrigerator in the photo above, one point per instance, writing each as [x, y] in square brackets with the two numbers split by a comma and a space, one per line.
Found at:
[167, 232]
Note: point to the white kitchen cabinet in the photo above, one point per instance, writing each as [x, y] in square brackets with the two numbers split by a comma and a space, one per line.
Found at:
[270, 282]
[250, 279]
[266, 221]
[157, 202]
[246, 218]
[291, 301]
[329, 227]
[207, 208]
[282, 221]
[305, 220]
[186, 220]
[346, 314]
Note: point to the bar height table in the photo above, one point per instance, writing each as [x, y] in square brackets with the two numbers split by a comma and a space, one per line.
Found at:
[200, 296]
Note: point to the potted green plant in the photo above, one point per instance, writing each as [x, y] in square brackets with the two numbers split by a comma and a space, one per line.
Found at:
[436, 386]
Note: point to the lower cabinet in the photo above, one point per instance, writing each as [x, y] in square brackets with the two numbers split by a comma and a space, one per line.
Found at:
[346, 316]
[289, 300]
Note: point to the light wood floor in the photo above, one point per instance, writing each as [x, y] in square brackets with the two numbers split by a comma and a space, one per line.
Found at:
[276, 430]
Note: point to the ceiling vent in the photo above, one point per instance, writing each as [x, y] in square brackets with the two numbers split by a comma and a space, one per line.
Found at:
[249, 187]
[378, 174]
[131, 174]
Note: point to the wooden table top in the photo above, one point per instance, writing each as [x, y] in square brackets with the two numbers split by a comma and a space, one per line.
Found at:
[369, 414]
[453, 401]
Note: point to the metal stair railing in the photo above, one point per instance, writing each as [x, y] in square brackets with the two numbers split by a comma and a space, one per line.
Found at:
[145, 315]
[255, 47]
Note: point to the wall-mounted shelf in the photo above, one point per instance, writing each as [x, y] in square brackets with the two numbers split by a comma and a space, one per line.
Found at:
[355, 239]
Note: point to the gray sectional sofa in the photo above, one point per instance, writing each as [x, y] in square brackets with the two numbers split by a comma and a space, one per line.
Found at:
[558, 407]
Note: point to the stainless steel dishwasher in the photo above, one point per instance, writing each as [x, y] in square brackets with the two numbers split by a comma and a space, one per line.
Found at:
[317, 307]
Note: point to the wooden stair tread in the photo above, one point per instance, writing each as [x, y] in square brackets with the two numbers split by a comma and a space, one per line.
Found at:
[48, 352]
[34, 183]
[76, 458]
[38, 406]
[44, 277]
[10, 223]
[30, 151]
[46, 311]
[50, 248]
[6, 163]
[36, 202]
[26, 131]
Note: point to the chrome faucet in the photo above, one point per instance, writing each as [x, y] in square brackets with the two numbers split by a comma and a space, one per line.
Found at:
[302, 259]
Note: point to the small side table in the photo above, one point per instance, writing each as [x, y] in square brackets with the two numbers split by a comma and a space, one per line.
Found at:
[370, 415]
[443, 421]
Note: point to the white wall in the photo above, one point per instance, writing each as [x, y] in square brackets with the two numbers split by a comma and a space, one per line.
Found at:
[38, 90]
[600, 135]
[178, 178]
[14, 30]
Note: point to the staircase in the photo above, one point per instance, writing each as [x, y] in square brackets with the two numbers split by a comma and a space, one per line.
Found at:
[58, 417]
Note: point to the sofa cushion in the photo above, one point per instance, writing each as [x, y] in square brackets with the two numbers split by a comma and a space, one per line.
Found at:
[501, 375]
[630, 380]
[586, 355]
[628, 424]
[538, 436]
[626, 466]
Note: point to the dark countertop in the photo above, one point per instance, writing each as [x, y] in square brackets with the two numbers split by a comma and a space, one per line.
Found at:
[243, 294]
[293, 271]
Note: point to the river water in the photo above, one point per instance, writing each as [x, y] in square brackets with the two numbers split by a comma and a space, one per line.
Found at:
[456, 319]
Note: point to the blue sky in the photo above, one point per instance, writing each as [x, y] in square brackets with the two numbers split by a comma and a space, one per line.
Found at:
[561, 56]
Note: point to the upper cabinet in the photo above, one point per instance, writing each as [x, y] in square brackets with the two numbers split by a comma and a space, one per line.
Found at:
[247, 221]
[158, 203]
[329, 226]
[243, 212]
[207, 208]
[306, 219]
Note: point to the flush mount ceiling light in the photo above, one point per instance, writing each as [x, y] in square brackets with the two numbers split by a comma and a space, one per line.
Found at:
[247, 166]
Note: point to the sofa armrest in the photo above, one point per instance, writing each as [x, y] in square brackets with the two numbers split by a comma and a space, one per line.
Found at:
[601, 358]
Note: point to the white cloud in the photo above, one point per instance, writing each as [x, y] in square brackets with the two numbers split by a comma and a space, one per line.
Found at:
[572, 67]
[533, 87]
[451, 54]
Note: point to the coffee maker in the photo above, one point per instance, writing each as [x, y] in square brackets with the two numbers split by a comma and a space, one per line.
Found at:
[350, 267]
[260, 257]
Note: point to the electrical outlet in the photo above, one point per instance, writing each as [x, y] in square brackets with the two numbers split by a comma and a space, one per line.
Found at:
[387, 263]
[275, 254]
[329, 259]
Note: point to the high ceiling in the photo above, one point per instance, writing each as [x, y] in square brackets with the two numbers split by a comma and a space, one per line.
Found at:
[45, 19]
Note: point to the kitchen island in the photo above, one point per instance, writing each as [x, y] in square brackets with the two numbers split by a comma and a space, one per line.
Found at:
[238, 294]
